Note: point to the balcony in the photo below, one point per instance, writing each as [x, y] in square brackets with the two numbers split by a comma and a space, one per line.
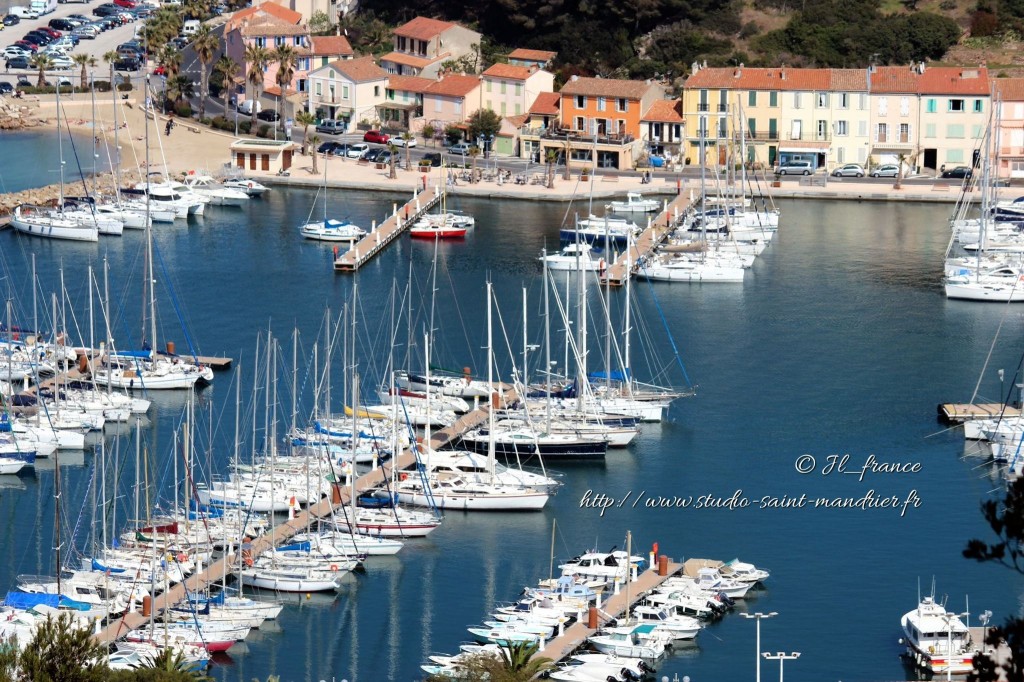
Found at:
[527, 131]
[723, 108]
[579, 136]
[759, 136]
[703, 107]
[809, 136]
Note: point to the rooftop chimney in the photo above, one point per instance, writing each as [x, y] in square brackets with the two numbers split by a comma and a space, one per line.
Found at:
[782, 72]
[575, 77]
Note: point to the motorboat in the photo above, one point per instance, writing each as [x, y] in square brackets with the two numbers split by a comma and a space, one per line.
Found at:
[218, 193]
[630, 641]
[635, 203]
[10, 465]
[438, 226]
[936, 640]
[678, 627]
[604, 566]
[40, 222]
[331, 230]
[574, 257]
[744, 572]
[518, 441]
[250, 187]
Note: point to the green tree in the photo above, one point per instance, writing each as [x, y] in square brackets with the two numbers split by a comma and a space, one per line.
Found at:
[452, 134]
[60, 651]
[110, 57]
[320, 23]
[228, 68]
[162, 26]
[205, 44]
[520, 662]
[83, 60]
[180, 88]
[305, 119]
[551, 158]
[483, 123]
[256, 59]
[285, 56]
[314, 144]
[43, 63]
[1006, 519]
[428, 131]
[169, 57]
[406, 138]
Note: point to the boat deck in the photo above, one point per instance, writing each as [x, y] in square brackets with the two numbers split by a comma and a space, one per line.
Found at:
[383, 234]
[575, 635]
[658, 229]
[957, 413]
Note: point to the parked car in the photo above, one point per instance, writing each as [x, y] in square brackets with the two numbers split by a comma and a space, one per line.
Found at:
[383, 157]
[356, 149]
[851, 169]
[127, 64]
[460, 148]
[15, 51]
[401, 142]
[962, 172]
[372, 154]
[376, 136]
[6, 88]
[50, 31]
[24, 82]
[17, 63]
[795, 168]
[433, 159]
[269, 115]
[889, 170]
[11, 20]
[106, 9]
[330, 147]
[127, 4]
[330, 126]
[62, 24]
[32, 48]
[80, 18]
[89, 32]
[60, 63]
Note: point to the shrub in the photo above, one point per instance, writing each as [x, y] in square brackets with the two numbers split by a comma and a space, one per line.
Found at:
[244, 127]
[263, 130]
[101, 86]
[123, 87]
[183, 110]
[205, 120]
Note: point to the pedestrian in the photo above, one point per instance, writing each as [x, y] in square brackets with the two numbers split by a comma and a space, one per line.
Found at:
[167, 128]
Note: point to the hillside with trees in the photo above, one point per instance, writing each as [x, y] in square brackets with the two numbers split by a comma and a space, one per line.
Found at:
[662, 38]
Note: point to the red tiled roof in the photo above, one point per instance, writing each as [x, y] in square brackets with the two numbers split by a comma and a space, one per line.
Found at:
[509, 72]
[409, 83]
[407, 59]
[422, 28]
[329, 46]
[954, 80]
[267, 25]
[453, 85]
[893, 79]
[743, 78]
[546, 104]
[606, 87]
[1010, 89]
[526, 55]
[360, 70]
[271, 8]
[517, 121]
[665, 111]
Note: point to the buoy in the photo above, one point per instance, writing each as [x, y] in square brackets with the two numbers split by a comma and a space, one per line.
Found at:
[334, 567]
[403, 476]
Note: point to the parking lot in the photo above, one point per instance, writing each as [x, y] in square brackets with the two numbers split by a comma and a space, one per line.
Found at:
[104, 42]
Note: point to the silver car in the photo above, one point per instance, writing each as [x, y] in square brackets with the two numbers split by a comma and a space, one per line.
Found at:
[851, 169]
[889, 170]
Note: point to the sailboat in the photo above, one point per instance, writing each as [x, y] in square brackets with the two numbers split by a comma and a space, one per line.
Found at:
[329, 229]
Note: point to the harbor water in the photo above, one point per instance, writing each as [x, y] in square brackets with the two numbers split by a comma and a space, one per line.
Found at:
[839, 342]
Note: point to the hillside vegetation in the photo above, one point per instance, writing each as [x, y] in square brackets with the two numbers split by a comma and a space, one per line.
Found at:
[662, 38]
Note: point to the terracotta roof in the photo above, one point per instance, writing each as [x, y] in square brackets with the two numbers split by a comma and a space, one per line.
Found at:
[422, 28]
[453, 85]
[526, 55]
[509, 72]
[266, 25]
[743, 78]
[606, 87]
[1010, 89]
[954, 80]
[546, 104]
[517, 121]
[409, 83]
[893, 79]
[408, 59]
[849, 80]
[271, 8]
[362, 70]
[665, 111]
[328, 46]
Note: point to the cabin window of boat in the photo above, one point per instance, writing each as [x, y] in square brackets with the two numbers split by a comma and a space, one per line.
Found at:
[773, 98]
[581, 101]
[956, 105]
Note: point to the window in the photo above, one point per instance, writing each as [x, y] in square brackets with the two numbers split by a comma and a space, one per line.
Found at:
[842, 128]
[298, 41]
[319, 88]
[822, 130]
[260, 41]
[929, 130]
[882, 133]
[932, 106]
[578, 123]
[862, 104]
[279, 41]
[390, 94]
[862, 155]
[703, 104]
[519, 89]
[883, 106]
[302, 85]
[954, 156]
[344, 92]
[458, 107]
[503, 109]
[489, 85]
[601, 102]
[503, 84]
[622, 104]
[580, 154]
[955, 130]
[862, 128]
[796, 100]
[752, 98]
[752, 127]
[978, 106]
[581, 101]
[773, 98]
[976, 132]
[401, 44]
[844, 100]
[904, 106]
[620, 126]
[822, 100]
[904, 133]
[956, 105]
[519, 108]
[841, 155]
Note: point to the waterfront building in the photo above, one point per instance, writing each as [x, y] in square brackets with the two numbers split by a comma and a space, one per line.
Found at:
[1009, 93]
[349, 90]
[542, 115]
[273, 156]
[423, 45]
[662, 127]
[449, 101]
[403, 101]
[509, 90]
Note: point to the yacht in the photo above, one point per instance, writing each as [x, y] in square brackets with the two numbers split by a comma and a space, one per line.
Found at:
[574, 257]
[937, 640]
[219, 194]
[331, 230]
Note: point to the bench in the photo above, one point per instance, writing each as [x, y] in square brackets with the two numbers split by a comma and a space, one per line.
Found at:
[940, 187]
[609, 178]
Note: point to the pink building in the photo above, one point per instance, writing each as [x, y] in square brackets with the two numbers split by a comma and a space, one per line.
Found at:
[1009, 93]
[422, 45]
[451, 99]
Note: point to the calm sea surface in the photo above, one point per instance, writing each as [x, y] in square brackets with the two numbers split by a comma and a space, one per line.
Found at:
[32, 159]
[838, 342]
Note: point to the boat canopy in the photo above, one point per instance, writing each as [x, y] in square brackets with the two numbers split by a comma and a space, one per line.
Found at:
[26, 600]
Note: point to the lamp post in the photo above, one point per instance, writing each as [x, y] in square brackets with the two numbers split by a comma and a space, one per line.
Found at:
[781, 657]
[949, 618]
[757, 653]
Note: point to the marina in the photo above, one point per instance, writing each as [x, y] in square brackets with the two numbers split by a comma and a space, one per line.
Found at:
[653, 235]
[776, 327]
[399, 221]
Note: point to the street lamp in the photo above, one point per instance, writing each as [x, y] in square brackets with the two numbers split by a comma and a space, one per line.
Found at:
[949, 618]
[781, 657]
[757, 653]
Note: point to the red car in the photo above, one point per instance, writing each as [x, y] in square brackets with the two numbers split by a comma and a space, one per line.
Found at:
[53, 33]
[160, 71]
[376, 136]
[127, 4]
[27, 45]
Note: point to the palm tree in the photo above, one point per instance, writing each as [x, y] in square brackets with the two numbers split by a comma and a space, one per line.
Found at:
[305, 119]
[180, 88]
[899, 172]
[519, 662]
[205, 44]
[392, 174]
[314, 143]
[406, 136]
[228, 68]
[83, 60]
[285, 56]
[110, 57]
[170, 59]
[550, 158]
[173, 665]
[256, 58]
[474, 152]
[41, 62]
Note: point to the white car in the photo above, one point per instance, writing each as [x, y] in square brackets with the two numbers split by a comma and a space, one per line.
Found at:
[399, 142]
[356, 150]
[60, 63]
[15, 51]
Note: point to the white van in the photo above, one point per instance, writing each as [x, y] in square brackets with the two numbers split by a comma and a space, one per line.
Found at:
[23, 13]
[190, 28]
[246, 107]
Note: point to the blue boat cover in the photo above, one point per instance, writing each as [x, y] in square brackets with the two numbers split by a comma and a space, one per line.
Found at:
[616, 375]
[97, 566]
[25, 600]
[297, 547]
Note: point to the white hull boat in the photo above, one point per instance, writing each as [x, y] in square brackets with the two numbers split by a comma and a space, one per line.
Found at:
[28, 221]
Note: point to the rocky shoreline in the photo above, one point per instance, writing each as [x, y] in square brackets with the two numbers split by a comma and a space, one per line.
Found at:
[18, 114]
[50, 194]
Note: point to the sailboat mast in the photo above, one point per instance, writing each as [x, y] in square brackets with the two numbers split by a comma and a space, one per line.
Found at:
[625, 325]
[490, 386]
[526, 346]
[60, 153]
[547, 346]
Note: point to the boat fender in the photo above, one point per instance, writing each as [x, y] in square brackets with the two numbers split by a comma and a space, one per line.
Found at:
[403, 476]
[182, 557]
[334, 567]
[248, 561]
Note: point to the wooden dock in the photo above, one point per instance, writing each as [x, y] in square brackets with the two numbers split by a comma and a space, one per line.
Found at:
[644, 245]
[615, 606]
[957, 413]
[281, 533]
[385, 233]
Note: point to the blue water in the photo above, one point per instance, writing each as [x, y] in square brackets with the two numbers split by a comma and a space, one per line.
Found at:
[32, 159]
[839, 342]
